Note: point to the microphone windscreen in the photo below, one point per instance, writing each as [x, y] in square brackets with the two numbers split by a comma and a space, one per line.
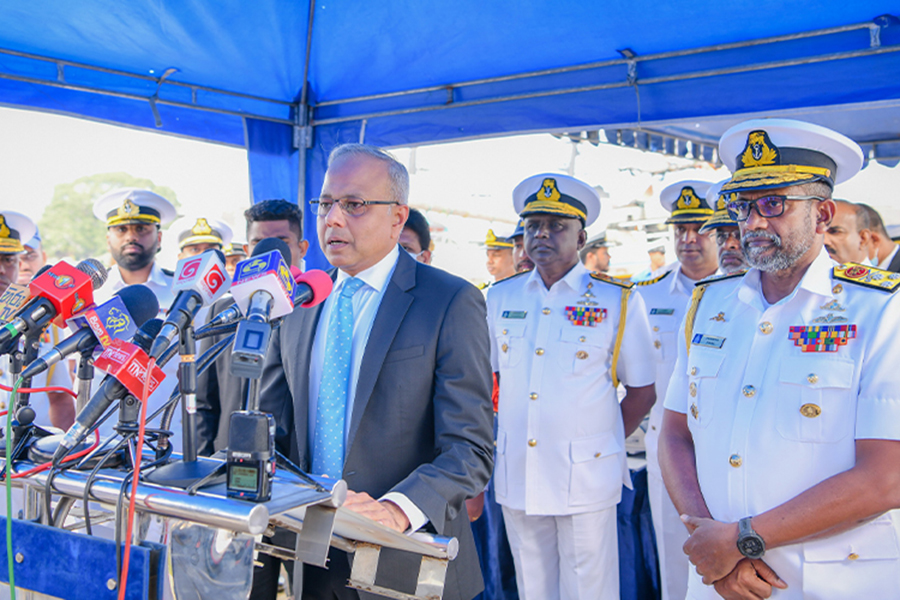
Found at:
[147, 333]
[96, 270]
[319, 282]
[140, 301]
[218, 253]
[269, 244]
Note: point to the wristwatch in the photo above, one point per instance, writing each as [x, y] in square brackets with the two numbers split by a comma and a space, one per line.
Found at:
[749, 543]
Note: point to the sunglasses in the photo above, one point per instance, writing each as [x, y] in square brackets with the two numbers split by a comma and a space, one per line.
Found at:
[767, 206]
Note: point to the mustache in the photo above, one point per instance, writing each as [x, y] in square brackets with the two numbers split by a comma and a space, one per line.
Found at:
[749, 236]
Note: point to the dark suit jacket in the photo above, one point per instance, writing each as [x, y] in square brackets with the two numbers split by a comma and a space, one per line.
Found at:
[421, 419]
[895, 264]
[219, 393]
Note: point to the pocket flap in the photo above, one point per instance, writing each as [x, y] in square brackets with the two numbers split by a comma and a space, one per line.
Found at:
[704, 363]
[404, 353]
[598, 446]
[818, 372]
[582, 335]
[873, 541]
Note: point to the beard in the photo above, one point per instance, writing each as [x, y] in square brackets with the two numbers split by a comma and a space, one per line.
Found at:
[787, 251]
[134, 261]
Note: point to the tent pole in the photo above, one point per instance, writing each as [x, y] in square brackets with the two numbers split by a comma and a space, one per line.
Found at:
[302, 115]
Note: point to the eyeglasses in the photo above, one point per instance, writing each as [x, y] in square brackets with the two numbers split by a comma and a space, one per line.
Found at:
[767, 206]
[350, 205]
[721, 236]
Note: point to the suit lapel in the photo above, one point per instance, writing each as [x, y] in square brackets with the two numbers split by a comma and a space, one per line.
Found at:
[895, 263]
[393, 308]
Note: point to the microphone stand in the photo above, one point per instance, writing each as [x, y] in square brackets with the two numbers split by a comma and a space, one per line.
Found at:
[189, 469]
[23, 429]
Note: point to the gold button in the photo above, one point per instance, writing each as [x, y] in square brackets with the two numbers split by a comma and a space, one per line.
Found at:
[504, 347]
[598, 455]
[505, 331]
[749, 391]
[765, 327]
[852, 556]
[695, 412]
[532, 443]
[546, 311]
[693, 370]
[658, 344]
[810, 411]
[656, 328]
[581, 355]
[693, 388]
[539, 351]
[533, 396]
[735, 461]
[812, 378]
[582, 339]
[837, 289]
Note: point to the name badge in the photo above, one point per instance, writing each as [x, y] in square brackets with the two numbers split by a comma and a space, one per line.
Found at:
[662, 311]
[514, 314]
[710, 341]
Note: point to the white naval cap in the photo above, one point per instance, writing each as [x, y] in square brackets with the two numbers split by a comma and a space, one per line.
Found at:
[15, 230]
[766, 154]
[126, 206]
[555, 194]
[198, 230]
[686, 201]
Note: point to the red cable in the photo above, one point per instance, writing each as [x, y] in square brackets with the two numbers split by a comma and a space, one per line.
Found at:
[134, 480]
[69, 458]
[6, 388]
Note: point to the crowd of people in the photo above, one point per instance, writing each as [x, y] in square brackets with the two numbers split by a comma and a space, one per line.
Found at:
[758, 362]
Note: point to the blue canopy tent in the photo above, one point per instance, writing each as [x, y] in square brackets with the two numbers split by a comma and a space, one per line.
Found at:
[288, 80]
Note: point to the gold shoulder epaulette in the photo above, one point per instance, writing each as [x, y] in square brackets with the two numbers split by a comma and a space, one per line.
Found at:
[511, 277]
[654, 280]
[484, 286]
[717, 278]
[613, 280]
[886, 281]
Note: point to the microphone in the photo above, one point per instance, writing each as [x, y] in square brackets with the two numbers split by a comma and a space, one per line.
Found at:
[264, 290]
[126, 367]
[120, 316]
[312, 287]
[57, 294]
[263, 287]
[199, 280]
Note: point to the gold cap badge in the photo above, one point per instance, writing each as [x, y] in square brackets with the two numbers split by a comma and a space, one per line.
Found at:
[759, 151]
[201, 227]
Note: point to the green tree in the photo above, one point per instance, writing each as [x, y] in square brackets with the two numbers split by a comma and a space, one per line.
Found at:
[68, 226]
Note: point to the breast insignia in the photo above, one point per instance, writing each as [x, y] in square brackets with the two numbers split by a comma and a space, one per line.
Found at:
[886, 281]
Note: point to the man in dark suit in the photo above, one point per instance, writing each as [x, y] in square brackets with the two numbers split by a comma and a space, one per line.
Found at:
[395, 400]
[884, 248]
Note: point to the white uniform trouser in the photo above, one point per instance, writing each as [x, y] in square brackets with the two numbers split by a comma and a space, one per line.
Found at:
[571, 557]
[671, 534]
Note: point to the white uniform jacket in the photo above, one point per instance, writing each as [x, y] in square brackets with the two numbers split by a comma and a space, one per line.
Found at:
[560, 442]
[775, 400]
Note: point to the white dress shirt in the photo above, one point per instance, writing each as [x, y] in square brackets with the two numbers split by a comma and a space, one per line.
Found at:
[887, 260]
[158, 282]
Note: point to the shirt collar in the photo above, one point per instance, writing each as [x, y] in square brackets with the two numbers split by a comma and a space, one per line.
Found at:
[572, 278]
[887, 261]
[816, 280]
[375, 276]
[156, 276]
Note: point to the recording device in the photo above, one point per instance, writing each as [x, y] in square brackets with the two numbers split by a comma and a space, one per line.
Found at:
[199, 280]
[126, 365]
[57, 294]
[263, 289]
[117, 318]
[250, 462]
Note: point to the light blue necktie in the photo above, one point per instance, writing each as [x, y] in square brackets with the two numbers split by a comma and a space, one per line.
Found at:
[331, 410]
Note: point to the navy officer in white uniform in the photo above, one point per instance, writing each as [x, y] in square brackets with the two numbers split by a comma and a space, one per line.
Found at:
[666, 298]
[781, 438]
[562, 339]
